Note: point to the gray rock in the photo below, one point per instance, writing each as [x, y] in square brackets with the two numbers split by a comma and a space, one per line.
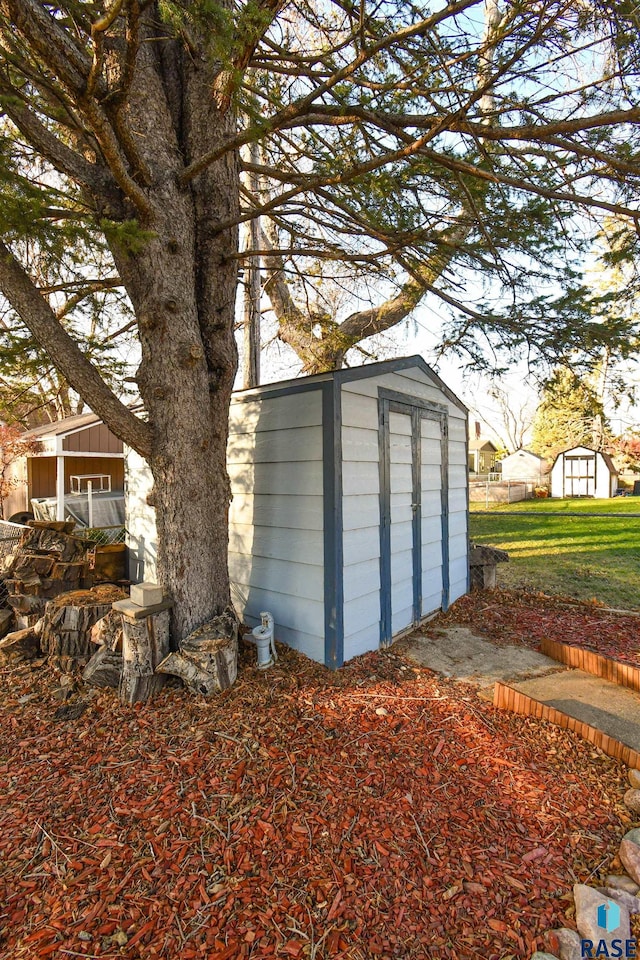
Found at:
[543, 956]
[589, 902]
[624, 899]
[622, 882]
[634, 778]
[568, 944]
[630, 853]
[632, 800]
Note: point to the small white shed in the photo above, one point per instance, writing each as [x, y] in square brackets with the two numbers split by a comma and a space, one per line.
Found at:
[349, 513]
[524, 465]
[581, 472]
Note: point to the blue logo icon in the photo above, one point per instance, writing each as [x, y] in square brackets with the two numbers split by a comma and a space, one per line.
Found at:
[609, 916]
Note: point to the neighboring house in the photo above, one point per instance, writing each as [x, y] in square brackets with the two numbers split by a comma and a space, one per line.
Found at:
[482, 456]
[581, 472]
[524, 465]
[77, 447]
[349, 514]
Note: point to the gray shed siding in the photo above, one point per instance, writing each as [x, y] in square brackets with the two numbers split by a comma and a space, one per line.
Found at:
[276, 519]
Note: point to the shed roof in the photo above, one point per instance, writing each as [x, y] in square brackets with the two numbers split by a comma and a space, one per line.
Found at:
[597, 453]
[62, 427]
[347, 374]
[523, 453]
[482, 445]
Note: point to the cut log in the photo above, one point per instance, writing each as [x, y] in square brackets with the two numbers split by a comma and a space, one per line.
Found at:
[145, 643]
[193, 676]
[207, 661]
[108, 631]
[21, 644]
[104, 669]
[54, 543]
[6, 621]
[66, 631]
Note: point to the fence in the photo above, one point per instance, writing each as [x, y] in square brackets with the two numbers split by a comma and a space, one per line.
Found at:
[505, 491]
[10, 533]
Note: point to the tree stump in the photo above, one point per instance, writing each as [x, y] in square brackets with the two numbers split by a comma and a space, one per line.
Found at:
[207, 661]
[65, 635]
[145, 643]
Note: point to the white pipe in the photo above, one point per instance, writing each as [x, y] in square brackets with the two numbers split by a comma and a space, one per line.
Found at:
[59, 488]
[90, 502]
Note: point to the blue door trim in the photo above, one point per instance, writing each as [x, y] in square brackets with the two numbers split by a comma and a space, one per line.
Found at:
[333, 527]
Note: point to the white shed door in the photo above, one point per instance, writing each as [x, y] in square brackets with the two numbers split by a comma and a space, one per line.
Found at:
[431, 515]
[580, 477]
[401, 501]
[413, 512]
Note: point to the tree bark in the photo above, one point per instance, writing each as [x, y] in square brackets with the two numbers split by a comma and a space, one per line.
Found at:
[183, 288]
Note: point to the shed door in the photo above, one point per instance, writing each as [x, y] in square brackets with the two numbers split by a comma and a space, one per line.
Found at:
[580, 480]
[414, 514]
[403, 504]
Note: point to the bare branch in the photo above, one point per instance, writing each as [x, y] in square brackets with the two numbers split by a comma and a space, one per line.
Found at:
[38, 316]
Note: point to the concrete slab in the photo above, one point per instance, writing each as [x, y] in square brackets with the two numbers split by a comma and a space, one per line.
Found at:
[610, 708]
[457, 652]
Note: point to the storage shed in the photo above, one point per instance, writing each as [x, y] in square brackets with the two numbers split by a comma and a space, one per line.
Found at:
[64, 451]
[524, 465]
[349, 514]
[581, 472]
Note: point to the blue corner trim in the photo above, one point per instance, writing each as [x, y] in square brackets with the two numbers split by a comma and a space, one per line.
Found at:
[333, 532]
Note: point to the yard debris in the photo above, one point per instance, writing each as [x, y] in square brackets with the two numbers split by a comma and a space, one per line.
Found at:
[288, 818]
[507, 617]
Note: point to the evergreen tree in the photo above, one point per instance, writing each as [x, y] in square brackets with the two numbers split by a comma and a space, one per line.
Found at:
[570, 414]
[399, 145]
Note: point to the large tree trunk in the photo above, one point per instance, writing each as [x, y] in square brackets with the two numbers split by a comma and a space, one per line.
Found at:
[183, 287]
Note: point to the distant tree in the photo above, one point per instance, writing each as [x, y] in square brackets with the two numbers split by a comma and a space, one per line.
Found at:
[570, 414]
[13, 446]
[625, 451]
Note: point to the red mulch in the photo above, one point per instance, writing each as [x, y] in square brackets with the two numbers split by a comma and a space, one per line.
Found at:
[509, 617]
[376, 812]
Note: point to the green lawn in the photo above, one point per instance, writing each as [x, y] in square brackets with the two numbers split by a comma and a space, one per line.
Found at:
[584, 556]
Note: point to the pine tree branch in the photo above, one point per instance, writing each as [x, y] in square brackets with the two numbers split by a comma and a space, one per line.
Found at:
[37, 315]
[302, 106]
[63, 158]
[52, 43]
[253, 22]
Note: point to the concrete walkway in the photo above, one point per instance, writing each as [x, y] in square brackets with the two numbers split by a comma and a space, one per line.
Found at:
[606, 706]
[458, 653]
